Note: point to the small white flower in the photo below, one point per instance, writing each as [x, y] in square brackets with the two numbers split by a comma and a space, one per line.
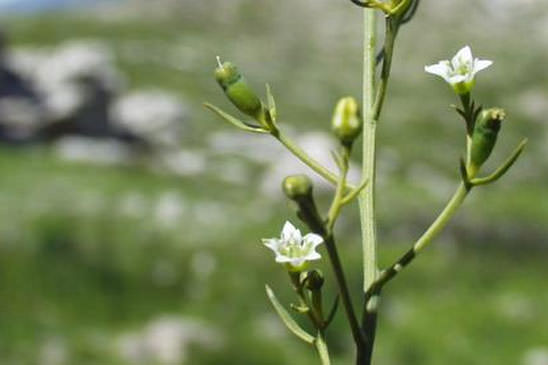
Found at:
[293, 249]
[460, 72]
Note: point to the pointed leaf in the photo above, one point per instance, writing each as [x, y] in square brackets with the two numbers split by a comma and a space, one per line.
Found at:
[354, 193]
[271, 103]
[287, 319]
[502, 168]
[332, 312]
[234, 121]
[338, 159]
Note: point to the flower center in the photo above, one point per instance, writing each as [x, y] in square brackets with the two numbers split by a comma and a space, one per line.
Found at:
[292, 249]
[463, 68]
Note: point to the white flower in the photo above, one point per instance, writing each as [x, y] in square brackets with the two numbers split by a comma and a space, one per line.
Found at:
[293, 249]
[460, 72]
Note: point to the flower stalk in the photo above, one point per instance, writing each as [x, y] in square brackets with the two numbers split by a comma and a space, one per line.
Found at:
[296, 251]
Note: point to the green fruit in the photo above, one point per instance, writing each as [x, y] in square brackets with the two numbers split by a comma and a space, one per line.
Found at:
[237, 90]
[485, 135]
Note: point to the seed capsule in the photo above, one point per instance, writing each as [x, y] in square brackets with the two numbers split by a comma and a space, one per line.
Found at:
[237, 89]
[297, 187]
[346, 122]
[485, 135]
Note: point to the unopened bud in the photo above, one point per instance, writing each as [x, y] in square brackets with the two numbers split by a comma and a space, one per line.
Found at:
[313, 280]
[346, 122]
[297, 186]
[237, 89]
[485, 135]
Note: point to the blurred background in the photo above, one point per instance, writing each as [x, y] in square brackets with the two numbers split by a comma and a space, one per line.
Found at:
[130, 217]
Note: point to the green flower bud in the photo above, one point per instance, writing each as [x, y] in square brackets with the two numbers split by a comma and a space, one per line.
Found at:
[313, 280]
[346, 122]
[485, 135]
[297, 186]
[237, 89]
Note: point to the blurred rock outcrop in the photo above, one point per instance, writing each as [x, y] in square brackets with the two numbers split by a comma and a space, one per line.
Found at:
[75, 89]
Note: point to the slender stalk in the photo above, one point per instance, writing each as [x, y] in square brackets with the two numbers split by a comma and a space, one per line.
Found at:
[427, 237]
[367, 196]
[442, 220]
[337, 204]
[306, 159]
[344, 292]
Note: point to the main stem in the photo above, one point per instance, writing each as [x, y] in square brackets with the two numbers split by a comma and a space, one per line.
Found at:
[367, 197]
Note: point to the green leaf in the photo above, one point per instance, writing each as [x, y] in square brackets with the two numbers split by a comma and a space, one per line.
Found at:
[321, 347]
[271, 103]
[287, 319]
[235, 121]
[332, 312]
[502, 168]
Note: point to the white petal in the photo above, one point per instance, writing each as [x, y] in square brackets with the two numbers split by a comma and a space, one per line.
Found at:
[297, 262]
[313, 240]
[455, 79]
[441, 69]
[272, 243]
[313, 256]
[283, 259]
[464, 55]
[481, 65]
[288, 231]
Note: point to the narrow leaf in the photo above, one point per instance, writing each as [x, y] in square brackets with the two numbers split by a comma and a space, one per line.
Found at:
[354, 193]
[338, 159]
[271, 103]
[234, 121]
[332, 312]
[287, 319]
[502, 168]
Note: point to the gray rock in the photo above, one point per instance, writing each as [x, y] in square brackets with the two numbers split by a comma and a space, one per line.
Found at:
[154, 115]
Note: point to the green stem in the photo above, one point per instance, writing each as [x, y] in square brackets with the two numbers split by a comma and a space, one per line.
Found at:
[367, 197]
[305, 158]
[343, 289]
[338, 200]
[321, 348]
[367, 203]
[442, 220]
[428, 236]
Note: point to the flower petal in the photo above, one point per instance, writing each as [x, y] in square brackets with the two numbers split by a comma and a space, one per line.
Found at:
[455, 79]
[272, 243]
[312, 240]
[441, 69]
[481, 65]
[463, 56]
[297, 262]
[283, 259]
[288, 231]
[313, 256]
